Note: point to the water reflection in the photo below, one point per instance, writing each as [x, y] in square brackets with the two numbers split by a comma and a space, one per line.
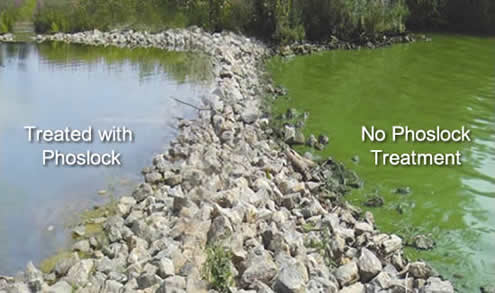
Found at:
[55, 85]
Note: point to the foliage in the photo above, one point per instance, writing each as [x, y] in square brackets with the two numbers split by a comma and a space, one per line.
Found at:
[217, 269]
[458, 15]
[281, 21]
[8, 16]
[6, 22]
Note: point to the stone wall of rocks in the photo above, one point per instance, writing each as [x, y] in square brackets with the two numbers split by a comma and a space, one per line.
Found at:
[6, 38]
[304, 48]
[226, 181]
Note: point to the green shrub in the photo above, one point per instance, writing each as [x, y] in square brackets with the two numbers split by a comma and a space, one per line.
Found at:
[6, 22]
[217, 269]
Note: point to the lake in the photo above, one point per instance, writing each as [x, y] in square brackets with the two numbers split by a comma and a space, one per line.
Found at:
[449, 82]
[55, 85]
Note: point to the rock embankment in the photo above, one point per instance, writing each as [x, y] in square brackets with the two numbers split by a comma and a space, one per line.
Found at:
[383, 40]
[226, 182]
[7, 38]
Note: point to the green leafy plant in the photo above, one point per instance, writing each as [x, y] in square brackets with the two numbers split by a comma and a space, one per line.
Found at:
[217, 269]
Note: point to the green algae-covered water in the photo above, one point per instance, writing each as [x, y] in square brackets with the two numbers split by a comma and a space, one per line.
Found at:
[450, 83]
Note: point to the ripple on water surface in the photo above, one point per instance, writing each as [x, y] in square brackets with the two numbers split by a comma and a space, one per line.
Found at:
[449, 82]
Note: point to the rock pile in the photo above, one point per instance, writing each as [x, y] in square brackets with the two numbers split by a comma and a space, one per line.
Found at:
[304, 48]
[226, 182]
[6, 38]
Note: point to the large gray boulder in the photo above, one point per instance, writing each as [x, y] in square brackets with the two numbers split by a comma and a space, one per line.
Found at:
[369, 265]
[59, 287]
[347, 274]
[78, 275]
[292, 279]
[436, 285]
[260, 268]
[174, 284]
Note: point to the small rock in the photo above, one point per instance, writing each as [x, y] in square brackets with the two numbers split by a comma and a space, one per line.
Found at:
[323, 139]
[175, 284]
[374, 201]
[392, 244]
[153, 177]
[424, 242]
[487, 289]
[420, 270]
[311, 141]
[403, 190]
[82, 246]
[356, 288]
[79, 231]
[299, 138]
[59, 287]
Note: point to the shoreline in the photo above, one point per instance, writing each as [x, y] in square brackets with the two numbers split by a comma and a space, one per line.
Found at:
[227, 181]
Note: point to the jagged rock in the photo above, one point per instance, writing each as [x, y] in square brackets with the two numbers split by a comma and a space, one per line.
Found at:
[487, 289]
[362, 227]
[142, 191]
[147, 280]
[112, 286]
[403, 190]
[220, 229]
[175, 284]
[59, 287]
[347, 274]
[420, 270]
[173, 180]
[323, 139]
[292, 279]
[392, 244]
[260, 268]
[369, 265]
[382, 281]
[374, 201]
[424, 242]
[166, 268]
[153, 177]
[63, 265]
[78, 275]
[289, 134]
[436, 285]
[33, 277]
[18, 288]
[311, 141]
[320, 285]
[298, 138]
[79, 231]
[82, 246]
[355, 288]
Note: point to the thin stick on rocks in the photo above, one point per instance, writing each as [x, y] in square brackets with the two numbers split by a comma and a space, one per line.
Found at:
[191, 105]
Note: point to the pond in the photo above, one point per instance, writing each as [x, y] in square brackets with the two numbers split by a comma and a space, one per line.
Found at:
[54, 86]
[449, 82]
